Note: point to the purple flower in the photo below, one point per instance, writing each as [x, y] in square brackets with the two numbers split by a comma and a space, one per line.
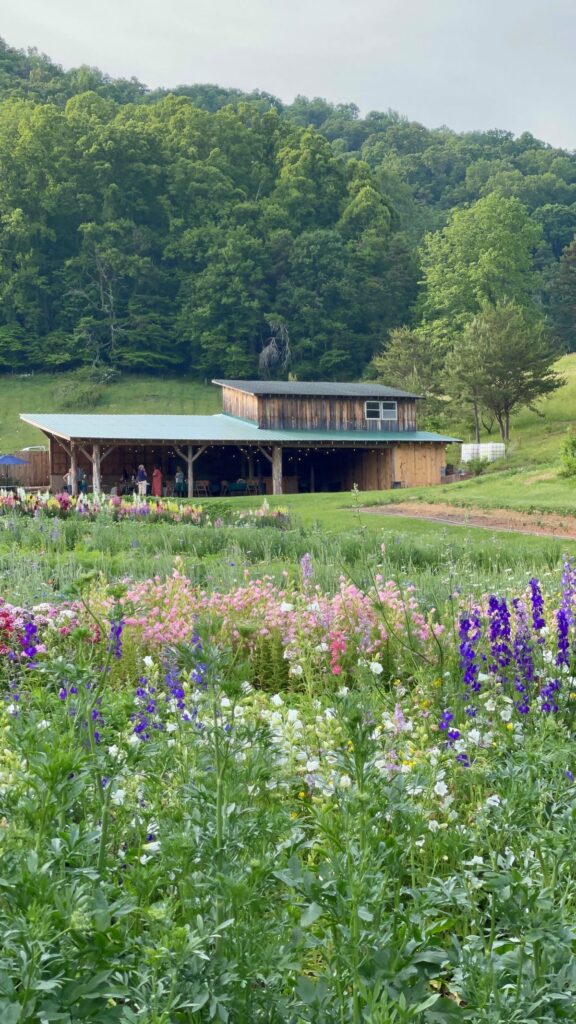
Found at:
[115, 639]
[499, 634]
[537, 604]
[470, 631]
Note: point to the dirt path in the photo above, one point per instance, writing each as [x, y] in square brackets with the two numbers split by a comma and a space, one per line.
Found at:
[540, 524]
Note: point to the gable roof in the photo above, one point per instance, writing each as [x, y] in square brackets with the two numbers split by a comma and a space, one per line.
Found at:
[318, 388]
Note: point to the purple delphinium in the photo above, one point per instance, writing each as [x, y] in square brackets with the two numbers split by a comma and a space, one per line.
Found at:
[548, 695]
[499, 635]
[115, 638]
[537, 605]
[523, 657]
[565, 613]
[470, 631]
[307, 568]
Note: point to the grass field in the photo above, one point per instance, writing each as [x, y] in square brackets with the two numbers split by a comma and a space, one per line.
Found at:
[40, 393]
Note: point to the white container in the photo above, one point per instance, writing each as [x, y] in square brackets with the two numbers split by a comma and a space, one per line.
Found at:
[488, 452]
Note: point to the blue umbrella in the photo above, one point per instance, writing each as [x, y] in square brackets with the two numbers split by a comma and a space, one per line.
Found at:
[12, 460]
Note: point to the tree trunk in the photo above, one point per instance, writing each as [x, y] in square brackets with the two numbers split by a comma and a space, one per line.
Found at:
[476, 422]
[96, 485]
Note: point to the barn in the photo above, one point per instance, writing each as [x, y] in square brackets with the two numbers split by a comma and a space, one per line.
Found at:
[271, 437]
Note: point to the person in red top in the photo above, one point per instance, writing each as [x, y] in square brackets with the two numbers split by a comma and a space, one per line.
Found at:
[157, 482]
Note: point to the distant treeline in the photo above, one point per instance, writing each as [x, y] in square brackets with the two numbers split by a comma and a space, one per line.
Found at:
[199, 229]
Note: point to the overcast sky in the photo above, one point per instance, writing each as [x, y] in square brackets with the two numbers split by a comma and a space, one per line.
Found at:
[465, 63]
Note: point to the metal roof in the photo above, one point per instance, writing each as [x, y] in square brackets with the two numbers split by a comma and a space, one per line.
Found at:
[218, 429]
[319, 388]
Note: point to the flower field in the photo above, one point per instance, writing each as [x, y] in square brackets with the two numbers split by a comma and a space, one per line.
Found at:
[263, 797]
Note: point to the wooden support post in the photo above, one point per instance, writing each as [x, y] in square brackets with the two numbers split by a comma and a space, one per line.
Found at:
[96, 484]
[74, 468]
[190, 461]
[276, 469]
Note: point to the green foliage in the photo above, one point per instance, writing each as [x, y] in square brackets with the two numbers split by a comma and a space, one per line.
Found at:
[484, 255]
[503, 359]
[568, 455]
[158, 232]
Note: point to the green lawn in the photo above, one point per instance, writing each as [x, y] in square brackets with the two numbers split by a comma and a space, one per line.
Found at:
[40, 393]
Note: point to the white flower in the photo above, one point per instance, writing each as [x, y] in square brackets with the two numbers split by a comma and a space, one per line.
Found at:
[148, 661]
[133, 740]
[118, 797]
[152, 847]
[296, 670]
[490, 705]
[343, 691]
[475, 736]
[345, 782]
[321, 648]
[286, 607]
[312, 765]
[113, 750]
[476, 861]
[276, 700]
[483, 677]
[44, 724]
[545, 631]
[375, 668]
[440, 788]
[292, 715]
[493, 801]
[506, 714]
[171, 727]
[225, 702]
[433, 825]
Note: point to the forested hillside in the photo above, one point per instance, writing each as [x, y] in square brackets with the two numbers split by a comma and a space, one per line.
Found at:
[214, 232]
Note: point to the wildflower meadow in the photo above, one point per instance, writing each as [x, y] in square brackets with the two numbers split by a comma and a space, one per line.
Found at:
[311, 784]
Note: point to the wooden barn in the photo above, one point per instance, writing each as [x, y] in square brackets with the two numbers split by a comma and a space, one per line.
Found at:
[271, 437]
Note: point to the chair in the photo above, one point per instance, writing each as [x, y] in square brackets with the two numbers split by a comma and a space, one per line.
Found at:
[202, 488]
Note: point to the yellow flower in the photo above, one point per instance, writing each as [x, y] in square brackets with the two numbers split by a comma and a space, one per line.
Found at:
[509, 726]
[302, 794]
[294, 815]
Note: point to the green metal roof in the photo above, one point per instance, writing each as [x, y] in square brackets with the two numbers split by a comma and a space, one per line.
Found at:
[218, 429]
[313, 388]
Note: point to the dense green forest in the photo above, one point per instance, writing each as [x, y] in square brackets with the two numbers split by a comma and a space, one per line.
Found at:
[210, 231]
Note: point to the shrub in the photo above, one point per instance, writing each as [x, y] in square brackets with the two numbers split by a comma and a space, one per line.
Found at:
[568, 454]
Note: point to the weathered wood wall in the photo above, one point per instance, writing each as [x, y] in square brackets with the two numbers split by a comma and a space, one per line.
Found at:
[286, 412]
[412, 465]
[419, 465]
[237, 403]
[36, 472]
[369, 470]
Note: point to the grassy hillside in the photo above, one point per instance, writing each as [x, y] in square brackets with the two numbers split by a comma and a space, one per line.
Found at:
[40, 393]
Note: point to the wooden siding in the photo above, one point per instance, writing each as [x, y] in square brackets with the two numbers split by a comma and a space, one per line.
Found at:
[412, 465]
[36, 472]
[419, 465]
[237, 403]
[285, 412]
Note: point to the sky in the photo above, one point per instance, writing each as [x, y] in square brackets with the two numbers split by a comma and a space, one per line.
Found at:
[468, 64]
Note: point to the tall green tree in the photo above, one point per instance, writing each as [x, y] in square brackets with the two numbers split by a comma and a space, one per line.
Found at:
[483, 255]
[502, 360]
[562, 307]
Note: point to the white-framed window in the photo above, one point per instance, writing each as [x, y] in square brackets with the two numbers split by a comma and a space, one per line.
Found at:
[381, 409]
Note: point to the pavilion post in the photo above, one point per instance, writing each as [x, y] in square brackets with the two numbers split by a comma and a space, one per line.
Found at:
[96, 479]
[74, 468]
[276, 469]
[190, 460]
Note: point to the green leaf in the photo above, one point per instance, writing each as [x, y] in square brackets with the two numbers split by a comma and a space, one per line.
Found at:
[310, 915]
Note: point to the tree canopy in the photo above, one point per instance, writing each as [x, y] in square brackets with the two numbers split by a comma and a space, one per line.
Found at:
[151, 230]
